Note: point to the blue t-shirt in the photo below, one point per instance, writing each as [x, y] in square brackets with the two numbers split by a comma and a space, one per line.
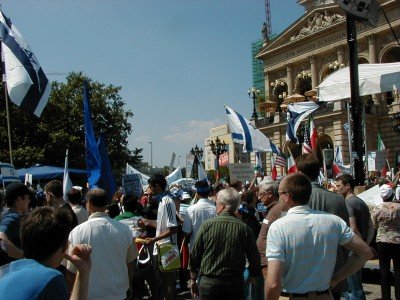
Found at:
[10, 223]
[28, 279]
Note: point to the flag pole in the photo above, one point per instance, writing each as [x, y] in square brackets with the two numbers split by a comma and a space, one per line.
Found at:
[3, 73]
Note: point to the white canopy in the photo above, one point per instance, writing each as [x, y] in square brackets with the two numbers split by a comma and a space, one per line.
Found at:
[373, 79]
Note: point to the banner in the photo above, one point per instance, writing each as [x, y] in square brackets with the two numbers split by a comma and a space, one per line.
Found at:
[132, 184]
[241, 171]
[377, 160]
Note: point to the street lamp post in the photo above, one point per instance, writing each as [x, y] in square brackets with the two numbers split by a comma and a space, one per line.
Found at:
[151, 155]
[218, 148]
[198, 155]
[254, 93]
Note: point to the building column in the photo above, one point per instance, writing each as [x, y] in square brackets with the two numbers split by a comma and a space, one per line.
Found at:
[372, 60]
[372, 49]
[340, 55]
[314, 74]
[266, 86]
[289, 79]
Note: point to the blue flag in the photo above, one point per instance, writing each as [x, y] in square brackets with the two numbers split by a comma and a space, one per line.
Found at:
[107, 180]
[93, 159]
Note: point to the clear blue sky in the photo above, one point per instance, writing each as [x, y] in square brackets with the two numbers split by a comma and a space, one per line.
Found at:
[178, 62]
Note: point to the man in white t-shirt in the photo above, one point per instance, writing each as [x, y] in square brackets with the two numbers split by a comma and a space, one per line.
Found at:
[196, 214]
[113, 250]
[166, 228]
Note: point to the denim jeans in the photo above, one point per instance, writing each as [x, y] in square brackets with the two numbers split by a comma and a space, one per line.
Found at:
[355, 289]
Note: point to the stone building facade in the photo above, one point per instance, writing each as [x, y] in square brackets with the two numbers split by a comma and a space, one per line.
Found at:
[310, 49]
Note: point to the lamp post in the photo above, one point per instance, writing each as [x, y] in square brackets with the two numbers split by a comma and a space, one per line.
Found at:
[151, 155]
[198, 155]
[218, 148]
[254, 93]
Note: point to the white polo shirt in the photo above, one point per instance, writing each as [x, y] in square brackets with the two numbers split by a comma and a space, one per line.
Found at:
[306, 241]
[195, 215]
[112, 248]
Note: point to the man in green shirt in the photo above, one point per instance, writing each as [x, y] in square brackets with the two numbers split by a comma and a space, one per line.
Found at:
[220, 251]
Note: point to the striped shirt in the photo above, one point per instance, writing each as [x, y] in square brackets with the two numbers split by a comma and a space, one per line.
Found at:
[221, 247]
[306, 241]
[166, 218]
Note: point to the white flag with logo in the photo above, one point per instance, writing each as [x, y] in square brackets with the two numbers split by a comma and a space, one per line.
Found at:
[27, 85]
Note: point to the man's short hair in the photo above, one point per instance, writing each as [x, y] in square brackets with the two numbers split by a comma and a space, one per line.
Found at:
[308, 164]
[97, 197]
[130, 203]
[202, 188]
[230, 197]
[346, 179]
[268, 186]
[15, 190]
[55, 187]
[44, 231]
[158, 179]
[298, 186]
[74, 196]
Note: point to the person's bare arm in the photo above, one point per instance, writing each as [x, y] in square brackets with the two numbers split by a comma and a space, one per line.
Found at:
[353, 225]
[273, 282]
[371, 232]
[12, 250]
[80, 257]
[163, 235]
[361, 252]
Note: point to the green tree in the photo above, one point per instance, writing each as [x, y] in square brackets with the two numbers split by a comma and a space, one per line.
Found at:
[136, 159]
[44, 140]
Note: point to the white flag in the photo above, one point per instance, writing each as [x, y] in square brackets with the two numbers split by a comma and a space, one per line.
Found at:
[27, 85]
[131, 170]
[244, 132]
[67, 183]
[175, 175]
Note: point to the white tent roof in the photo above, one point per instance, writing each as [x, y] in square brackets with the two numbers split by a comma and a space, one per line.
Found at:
[373, 79]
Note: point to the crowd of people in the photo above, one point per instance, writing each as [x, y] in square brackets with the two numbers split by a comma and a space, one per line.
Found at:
[264, 240]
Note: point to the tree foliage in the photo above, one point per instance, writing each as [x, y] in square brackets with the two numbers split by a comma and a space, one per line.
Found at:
[44, 140]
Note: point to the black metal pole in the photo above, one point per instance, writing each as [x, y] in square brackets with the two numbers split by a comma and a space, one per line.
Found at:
[356, 109]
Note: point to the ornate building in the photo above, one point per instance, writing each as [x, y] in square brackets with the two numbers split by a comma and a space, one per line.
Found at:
[308, 51]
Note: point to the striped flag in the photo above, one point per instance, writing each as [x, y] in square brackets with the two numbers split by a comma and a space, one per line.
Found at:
[27, 85]
[291, 164]
[280, 159]
[306, 148]
[244, 132]
[297, 112]
[274, 172]
[312, 132]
